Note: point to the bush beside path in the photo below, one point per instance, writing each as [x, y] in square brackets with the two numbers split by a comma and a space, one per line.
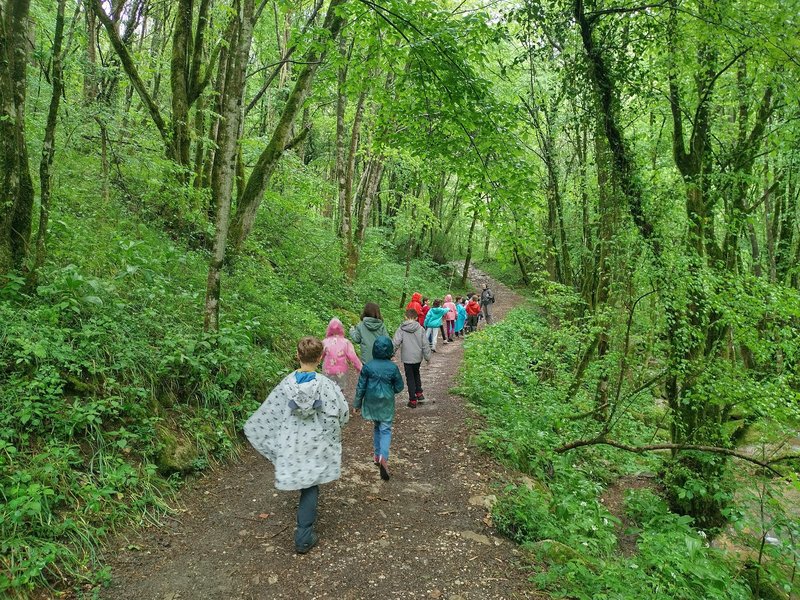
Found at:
[424, 534]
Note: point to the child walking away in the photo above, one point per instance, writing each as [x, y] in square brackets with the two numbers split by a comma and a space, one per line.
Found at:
[414, 346]
[450, 317]
[298, 429]
[425, 308]
[473, 309]
[461, 316]
[379, 382]
[487, 299]
[337, 353]
[416, 304]
[433, 321]
[370, 327]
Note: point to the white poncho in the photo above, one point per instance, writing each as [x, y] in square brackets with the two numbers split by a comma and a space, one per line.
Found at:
[298, 429]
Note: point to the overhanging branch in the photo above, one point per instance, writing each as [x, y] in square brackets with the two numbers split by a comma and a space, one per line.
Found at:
[686, 447]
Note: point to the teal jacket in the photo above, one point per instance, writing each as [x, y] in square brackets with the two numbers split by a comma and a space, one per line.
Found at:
[365, 334]
[379, 382]
[461, 318]
[435, 316]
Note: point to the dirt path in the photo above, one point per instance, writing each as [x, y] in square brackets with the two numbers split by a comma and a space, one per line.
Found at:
[423, 534]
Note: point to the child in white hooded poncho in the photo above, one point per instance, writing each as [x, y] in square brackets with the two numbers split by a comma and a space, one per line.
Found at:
[299, 430]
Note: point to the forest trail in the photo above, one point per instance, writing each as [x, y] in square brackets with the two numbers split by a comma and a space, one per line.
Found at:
[423, 534]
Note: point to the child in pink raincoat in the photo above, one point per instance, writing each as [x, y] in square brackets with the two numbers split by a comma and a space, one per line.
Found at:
[337, 352]
[450, 318]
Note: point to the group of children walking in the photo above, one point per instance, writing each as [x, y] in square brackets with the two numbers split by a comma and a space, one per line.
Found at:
[298, 428]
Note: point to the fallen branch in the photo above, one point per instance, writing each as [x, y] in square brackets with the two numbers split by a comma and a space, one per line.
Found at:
[654, 447]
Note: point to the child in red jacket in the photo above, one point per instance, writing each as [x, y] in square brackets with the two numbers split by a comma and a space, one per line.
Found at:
[473, 312]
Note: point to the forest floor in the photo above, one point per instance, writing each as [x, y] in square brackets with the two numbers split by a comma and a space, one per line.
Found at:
[426, 533]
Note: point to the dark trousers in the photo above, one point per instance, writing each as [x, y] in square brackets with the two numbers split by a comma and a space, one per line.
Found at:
[306, 517]
[413, 380]
[472, 323]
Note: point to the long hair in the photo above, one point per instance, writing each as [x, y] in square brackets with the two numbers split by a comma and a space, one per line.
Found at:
[372, 310]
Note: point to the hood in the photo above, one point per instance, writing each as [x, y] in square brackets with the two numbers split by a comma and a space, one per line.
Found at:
[372, 323]
[304, 400]
[448, 298]
[383, 347]
[410, 326]
[335, 327]
[416, 297]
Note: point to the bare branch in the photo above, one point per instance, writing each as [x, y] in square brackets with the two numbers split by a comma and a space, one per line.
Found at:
[655, 447]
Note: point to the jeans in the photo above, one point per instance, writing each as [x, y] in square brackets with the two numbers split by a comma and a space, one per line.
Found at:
[413, 380]
[306, 517]
[382, 437]
[433, 335]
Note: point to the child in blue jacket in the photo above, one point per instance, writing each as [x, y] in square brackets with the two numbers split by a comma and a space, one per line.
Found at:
[433, 321]
[461, 317]
[379, 382]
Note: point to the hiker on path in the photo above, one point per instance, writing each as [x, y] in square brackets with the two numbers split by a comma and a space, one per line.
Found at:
[461, 318]
[416, 304]
[338, 353]
[298, 429]
[473, 309]
[450, 317]
[414, 347]
[433, 321]
[379, 382]
[487, 299]
[370, 327]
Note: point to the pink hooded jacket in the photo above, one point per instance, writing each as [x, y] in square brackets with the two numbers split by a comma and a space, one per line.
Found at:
[449, 304]
[338, 350]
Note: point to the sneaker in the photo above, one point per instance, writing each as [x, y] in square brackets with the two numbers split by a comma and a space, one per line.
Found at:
[412, 403]
[312, 542]
[421, 399]
[382, 464]
[433, 349]
[375, 459]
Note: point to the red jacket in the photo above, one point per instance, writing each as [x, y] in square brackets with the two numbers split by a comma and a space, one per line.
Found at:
[473, 308]
[424, 314]
[415, 303]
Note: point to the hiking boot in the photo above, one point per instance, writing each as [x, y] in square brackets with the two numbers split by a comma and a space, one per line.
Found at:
[412, 403]
[382, 464]
[311, 543]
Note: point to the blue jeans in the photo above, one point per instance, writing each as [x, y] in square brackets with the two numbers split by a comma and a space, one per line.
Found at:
[306, 517]
[382, 437]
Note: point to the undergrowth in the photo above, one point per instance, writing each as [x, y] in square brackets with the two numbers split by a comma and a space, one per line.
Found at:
[516, 376]
[111, 392]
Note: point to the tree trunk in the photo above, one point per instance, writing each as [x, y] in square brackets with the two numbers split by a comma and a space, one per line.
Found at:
[16, 186]
[247, 207]
[90, 73]
[468, 259]
[224, 169]
[48, 146]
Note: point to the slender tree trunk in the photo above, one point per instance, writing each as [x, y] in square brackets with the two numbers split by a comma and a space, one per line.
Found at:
[248, 204]
[468, 259]
[341, 109]
[48, 146]
[224, 169]
[90, 73]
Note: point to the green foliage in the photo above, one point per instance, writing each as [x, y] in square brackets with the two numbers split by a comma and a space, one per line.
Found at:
[111, 390]
[516, 376]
